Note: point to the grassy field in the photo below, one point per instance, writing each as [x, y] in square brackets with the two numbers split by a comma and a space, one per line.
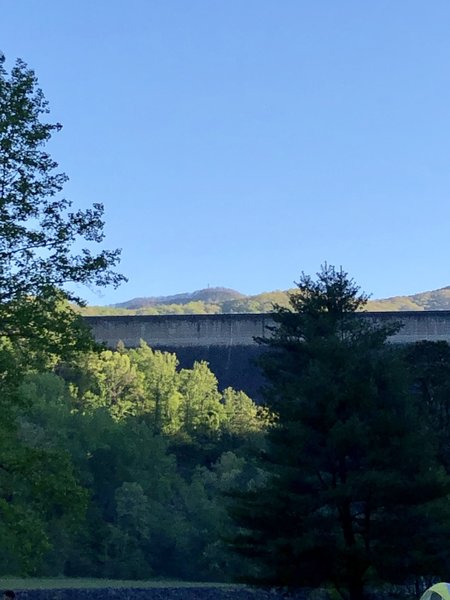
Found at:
[31, 583]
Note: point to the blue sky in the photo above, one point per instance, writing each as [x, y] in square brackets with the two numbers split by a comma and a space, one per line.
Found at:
[239, 142]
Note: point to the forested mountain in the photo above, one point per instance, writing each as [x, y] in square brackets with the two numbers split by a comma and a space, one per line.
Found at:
[433, 300]
[226, 301]
[216, 295]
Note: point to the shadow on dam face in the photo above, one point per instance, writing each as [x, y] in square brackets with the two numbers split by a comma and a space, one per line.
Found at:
[234, 367]
[227, 342]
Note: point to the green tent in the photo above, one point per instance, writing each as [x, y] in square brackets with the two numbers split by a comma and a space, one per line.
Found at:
[438, 591]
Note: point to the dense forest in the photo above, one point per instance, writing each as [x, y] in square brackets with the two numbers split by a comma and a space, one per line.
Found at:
[111, 463]
[226, 301]
[123, 463]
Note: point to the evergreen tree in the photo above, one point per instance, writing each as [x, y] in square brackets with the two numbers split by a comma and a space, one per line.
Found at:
[429, 363]
[350, 468]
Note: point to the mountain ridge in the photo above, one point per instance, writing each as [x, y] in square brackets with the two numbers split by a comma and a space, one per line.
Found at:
[221, 300]
[214, 294]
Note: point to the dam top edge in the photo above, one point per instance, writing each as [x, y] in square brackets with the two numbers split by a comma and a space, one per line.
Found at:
[187, 317]
[419, 314]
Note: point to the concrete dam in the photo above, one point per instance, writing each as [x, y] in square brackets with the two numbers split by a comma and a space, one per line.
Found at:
[227, 342]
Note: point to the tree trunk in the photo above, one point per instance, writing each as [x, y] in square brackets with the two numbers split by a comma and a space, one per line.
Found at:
[354, 565]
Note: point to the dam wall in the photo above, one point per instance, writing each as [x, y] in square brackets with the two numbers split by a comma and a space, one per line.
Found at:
[227, 342]
[178, 331]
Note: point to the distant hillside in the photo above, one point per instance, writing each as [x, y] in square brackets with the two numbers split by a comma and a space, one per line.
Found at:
[207, 301]
[226, 301]
[435, 300]
[209, 296]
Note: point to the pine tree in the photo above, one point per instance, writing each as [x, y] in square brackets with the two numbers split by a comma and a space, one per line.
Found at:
[351, 477]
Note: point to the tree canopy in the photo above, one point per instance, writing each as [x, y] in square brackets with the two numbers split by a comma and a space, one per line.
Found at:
[40, 234]
[40, 237]
[350, 463]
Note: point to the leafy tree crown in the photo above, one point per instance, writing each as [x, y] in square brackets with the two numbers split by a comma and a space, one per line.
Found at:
[37, 228]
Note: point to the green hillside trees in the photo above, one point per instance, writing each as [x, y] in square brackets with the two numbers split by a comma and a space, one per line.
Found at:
[153, 476]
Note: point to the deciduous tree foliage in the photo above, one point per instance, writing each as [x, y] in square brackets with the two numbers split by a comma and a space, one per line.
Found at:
[38, 261]
[155, 493]
[38, 228]
[88, 485]
[353, 492]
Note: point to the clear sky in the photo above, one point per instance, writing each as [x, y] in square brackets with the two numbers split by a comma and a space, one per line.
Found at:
[239, 142]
